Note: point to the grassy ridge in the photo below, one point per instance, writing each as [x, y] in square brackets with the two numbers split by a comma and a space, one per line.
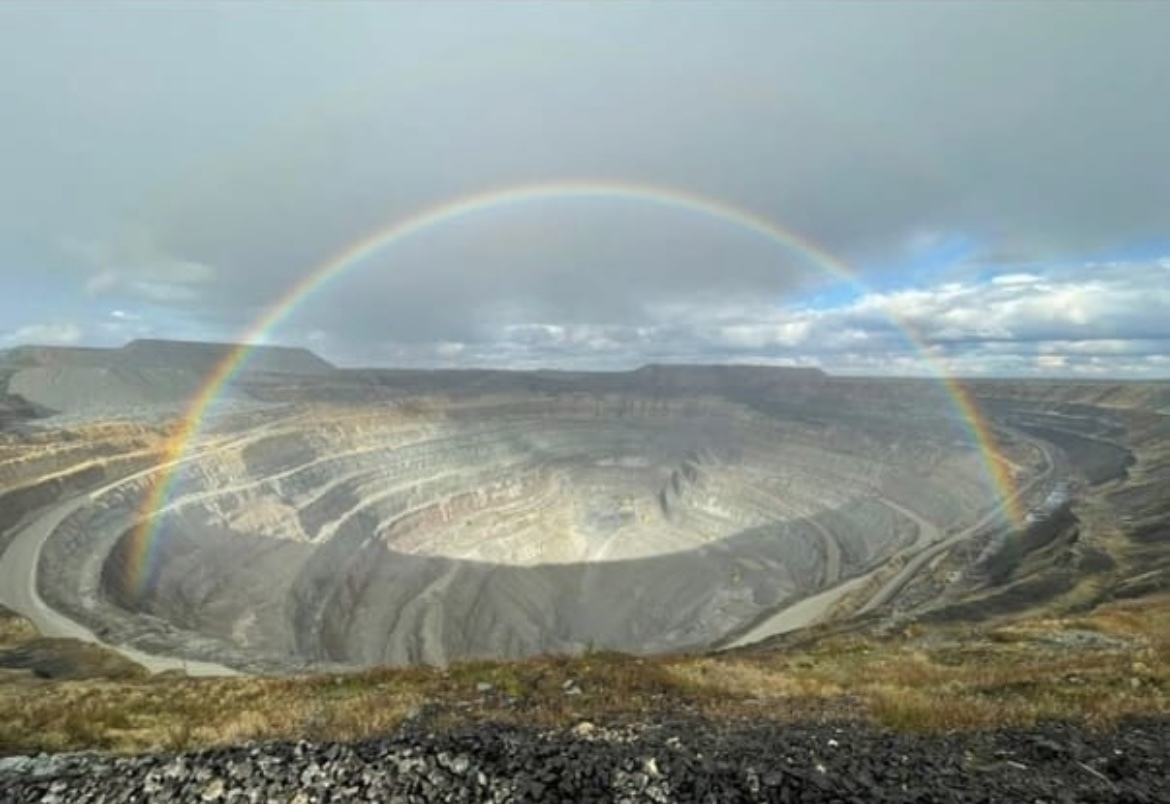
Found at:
[1096, 668]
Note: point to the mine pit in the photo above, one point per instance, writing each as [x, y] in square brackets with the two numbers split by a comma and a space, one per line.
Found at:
[328, 518]
[473, 527]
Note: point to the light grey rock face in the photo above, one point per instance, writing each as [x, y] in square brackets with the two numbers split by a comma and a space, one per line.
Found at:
[143, 375]
[104, 389]
[429, 530]
[206, 356]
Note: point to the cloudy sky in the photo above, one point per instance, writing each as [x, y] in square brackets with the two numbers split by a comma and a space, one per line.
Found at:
[994, 179]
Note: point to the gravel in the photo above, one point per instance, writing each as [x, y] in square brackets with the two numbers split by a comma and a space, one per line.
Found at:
[683, 761]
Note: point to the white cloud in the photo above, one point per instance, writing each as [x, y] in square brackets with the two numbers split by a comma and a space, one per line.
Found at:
[450, 349]
[1085, 302]
[122, 325]
[1074, 320]
[54, 333]
[923, 241]
[163, 292]
[135, 265]
[761, 335]
[101, 282]
[1093, 319]
[1016, 279]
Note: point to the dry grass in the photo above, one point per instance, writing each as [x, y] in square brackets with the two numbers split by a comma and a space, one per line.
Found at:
[1096, 668]
[14, 629]
[175, 714]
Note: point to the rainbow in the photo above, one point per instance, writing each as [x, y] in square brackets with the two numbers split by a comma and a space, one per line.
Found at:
[999, 470]
[144, 537]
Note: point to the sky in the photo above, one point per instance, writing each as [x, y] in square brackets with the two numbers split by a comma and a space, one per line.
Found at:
[992, 181]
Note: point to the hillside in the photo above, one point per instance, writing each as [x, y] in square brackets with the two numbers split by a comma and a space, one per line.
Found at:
[142, 376]
[940, 618]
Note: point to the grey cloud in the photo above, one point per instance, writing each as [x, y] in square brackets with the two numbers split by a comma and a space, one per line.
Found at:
[253, 142]
[135, 265]
[877, 333]
[55, 332]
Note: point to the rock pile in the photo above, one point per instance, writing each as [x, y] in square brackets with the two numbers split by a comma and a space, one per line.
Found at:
[684, 761]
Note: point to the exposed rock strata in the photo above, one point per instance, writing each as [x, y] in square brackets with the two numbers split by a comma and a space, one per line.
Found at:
[416, 516]
[429, 530]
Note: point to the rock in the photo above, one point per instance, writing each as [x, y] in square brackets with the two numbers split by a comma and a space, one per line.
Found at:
[14, 764]
[1045, 748]
[483, 687]
[584, 729]
[649, 762]
[213, 791]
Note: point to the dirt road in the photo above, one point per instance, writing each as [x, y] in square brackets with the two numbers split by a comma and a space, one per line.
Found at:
[18, 588]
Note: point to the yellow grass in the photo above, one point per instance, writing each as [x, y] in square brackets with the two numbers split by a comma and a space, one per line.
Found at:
[925, 679]
[1015, 674]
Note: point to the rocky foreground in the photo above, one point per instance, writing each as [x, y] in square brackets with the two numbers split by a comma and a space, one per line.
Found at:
[682, 761]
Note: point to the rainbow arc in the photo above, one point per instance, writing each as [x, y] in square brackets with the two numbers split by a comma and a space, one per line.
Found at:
[145, 537]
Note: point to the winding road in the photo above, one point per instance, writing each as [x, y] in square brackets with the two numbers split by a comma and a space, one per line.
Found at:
[18, 568]
[896, 584]
[18, 574]
[815, 608]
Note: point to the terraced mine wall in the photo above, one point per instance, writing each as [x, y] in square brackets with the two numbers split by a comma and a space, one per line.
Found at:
[370, 517]
[18, 503]
[15, 410]
[1099, 461]
[1054, 542]
[429, 529]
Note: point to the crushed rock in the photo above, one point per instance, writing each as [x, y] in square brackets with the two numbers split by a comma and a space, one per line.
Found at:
[683, 761]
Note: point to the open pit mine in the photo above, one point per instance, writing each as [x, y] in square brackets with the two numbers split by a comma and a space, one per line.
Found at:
[324, 518]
